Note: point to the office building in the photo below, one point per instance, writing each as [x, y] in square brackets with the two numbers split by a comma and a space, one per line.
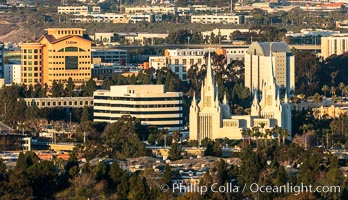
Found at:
[63, 102]
[334, 44]
[217, 19]
[78, 10]
[210, 118]
[257, 65]
[149, 103]
[59, 54]
[12, 73]
[116, 56]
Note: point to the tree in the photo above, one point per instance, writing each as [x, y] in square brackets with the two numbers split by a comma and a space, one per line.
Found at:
[57, 89]
[69, 89]
[85, 114]
[175, 152]
[121, 138]
[325, 89]
[167, 175]
[139, 188]
[341, 86]
[333, 91]
[176, 135]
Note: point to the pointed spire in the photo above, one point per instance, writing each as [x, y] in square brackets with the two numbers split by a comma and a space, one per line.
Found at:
[286, 100]
[271, 77]
[216, 100]
[209, 71]
[255, 101]
[193, 104]
[225, 99]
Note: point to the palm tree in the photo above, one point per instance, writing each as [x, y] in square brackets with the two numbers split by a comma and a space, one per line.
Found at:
[262, 125]
[345, 90]
[276, 129]
[333, 91]
[284, 134]
[305, 128]
[246, 132]
[341, 86]
[325, 89]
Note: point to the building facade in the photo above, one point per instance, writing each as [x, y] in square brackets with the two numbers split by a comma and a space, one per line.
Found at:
[257, 65]
[59, 54]
[218, 19]
[78, 10]
[66, 102]
[334, 44]
[149, 103]
[210, 118]
[12, 73]
[115, 56]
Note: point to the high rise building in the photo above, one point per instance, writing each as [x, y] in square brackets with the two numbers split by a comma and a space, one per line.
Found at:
[149, 103]
[210, 118]
[59, 54]
[257, 65]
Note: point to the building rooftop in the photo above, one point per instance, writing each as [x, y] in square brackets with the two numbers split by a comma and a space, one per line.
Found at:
[262, 48]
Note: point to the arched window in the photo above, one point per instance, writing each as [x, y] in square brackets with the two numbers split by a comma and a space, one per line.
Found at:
[71, 49]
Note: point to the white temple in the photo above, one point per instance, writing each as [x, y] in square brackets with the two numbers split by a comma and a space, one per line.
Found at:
[210, 118]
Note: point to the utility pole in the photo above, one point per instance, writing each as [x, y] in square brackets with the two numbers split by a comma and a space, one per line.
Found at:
[70, 120]
[165, 141]
[231, 6]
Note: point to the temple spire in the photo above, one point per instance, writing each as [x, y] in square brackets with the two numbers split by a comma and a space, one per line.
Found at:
[286, 100]
[255, 101]
[225, 99]
[271, 77]
[193, 104]
[209, 72]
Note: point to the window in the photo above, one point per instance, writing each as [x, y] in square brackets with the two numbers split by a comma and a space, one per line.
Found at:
[71, 49]
[35, 50]
[71, 62]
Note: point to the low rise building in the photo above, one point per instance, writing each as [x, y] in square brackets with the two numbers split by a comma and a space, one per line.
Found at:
[149, 103]
[12, 73]
[334, 44]
[66, 102]
[80, 10]
[115, 56]
[218, 19]
[151, 9]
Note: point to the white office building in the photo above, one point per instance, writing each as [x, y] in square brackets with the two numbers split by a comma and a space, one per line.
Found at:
[149, 103]
[12, 73]
[334, 44]
[257, 65]
[218, 19]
